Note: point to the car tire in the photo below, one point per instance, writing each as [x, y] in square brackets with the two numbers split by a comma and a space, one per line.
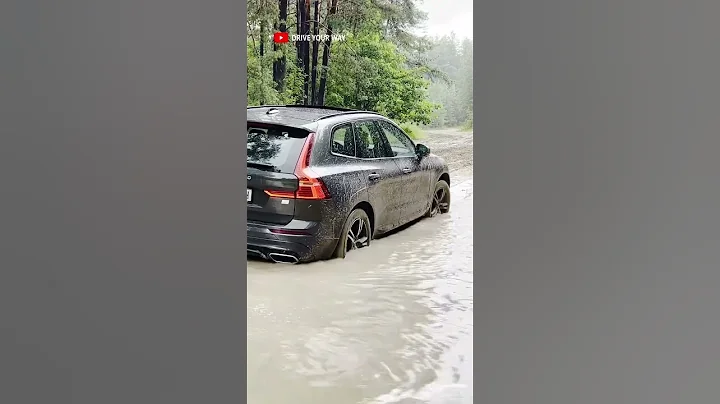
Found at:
[440, 199]
[357, 228]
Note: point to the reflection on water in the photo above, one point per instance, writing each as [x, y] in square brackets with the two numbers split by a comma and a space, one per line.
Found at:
[389, 324]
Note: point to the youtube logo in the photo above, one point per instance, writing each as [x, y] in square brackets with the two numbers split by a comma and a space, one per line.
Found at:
[281, 37]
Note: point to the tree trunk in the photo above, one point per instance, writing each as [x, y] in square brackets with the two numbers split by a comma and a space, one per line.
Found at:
[262, 39]
[306, 52]
[299, 12]
[315, 48]
[280, 65]
[262, 62]
[332, 9]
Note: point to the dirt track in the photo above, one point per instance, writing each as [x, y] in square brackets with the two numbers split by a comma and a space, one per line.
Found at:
[455, 146]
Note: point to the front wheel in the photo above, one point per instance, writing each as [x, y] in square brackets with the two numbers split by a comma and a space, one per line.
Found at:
[356, 233]
[440, 199]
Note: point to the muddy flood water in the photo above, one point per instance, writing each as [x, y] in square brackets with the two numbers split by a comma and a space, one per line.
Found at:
[392, 323]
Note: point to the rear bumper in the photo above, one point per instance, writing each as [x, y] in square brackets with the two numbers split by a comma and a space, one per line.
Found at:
[306, 241]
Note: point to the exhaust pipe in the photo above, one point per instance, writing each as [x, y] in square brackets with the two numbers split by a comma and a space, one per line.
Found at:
[283, 258]
[257, 253]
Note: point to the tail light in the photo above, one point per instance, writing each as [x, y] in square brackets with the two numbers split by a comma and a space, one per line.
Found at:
[310, 186]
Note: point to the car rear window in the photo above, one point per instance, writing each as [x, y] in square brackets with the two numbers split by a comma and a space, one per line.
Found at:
[274, 148]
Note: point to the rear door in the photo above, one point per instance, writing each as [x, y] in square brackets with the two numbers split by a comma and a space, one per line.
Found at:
[415, 181]
[272, 155]
[382, 174]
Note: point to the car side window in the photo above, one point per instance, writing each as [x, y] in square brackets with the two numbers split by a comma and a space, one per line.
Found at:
[369, 141]
[400, 144]
[343, 141]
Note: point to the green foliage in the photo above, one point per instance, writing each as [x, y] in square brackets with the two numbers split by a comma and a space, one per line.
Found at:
[381, 65]
[413, 131]
[370, 74]
[468, 125]
[260, 86]
[454, 91]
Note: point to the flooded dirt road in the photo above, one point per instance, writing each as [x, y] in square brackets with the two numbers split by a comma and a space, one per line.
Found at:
[389, 324]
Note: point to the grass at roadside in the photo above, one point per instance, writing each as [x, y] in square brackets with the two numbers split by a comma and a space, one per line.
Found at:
[414, 131]
[426, 132]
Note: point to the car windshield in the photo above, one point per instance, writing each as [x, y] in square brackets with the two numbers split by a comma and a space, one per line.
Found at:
[274, 148]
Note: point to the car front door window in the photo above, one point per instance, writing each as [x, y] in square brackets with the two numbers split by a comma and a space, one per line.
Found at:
[400, 144]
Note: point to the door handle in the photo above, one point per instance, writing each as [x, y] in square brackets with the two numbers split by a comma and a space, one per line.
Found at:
[407, 170]
[374, 177]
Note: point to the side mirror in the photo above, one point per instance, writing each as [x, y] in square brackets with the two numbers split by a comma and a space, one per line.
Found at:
[421, 150]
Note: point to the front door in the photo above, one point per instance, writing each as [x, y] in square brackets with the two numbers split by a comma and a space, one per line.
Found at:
[414, 181]
[382, 175]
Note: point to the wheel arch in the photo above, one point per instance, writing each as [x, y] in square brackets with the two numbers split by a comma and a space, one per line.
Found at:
[445, 177]
[369, 211]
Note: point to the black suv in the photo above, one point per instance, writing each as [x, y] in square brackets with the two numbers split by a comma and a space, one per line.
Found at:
[324, 181]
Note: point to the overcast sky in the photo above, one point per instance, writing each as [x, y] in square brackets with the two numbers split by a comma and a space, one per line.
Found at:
[445, 16]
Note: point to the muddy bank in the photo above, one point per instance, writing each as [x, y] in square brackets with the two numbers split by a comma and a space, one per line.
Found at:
[454, 145]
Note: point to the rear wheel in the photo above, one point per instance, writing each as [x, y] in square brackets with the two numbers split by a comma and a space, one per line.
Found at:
[440, 199]
[356, 233]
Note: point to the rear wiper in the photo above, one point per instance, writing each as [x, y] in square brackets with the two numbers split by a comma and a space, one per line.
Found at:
[262, 166]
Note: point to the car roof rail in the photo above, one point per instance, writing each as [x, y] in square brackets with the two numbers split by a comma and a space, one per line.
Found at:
[350, 112]
[301, 106]
[320, 107]
[272, 109]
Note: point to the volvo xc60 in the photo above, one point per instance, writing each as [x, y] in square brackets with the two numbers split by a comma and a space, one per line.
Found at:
[325, 181]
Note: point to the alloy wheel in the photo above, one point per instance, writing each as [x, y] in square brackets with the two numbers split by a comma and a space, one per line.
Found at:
[440, 202]
[358, 235]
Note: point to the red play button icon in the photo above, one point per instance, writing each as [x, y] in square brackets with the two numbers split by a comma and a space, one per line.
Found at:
[281, 37]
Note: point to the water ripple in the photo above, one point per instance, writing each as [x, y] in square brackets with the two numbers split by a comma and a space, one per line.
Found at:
[393, 321]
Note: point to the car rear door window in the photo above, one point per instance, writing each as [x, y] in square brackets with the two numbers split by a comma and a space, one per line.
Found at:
[369, 141]
[274, 148]
[343, 140]
[400, 144]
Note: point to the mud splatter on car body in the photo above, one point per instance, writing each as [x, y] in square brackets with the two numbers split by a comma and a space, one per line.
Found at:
[325, 181]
